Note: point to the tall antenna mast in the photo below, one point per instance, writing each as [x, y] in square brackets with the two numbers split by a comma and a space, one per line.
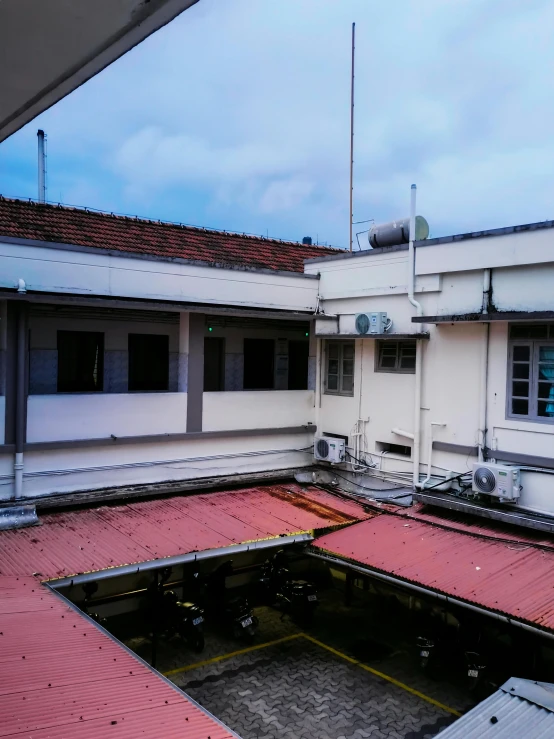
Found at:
[352, 135]
[41, 166]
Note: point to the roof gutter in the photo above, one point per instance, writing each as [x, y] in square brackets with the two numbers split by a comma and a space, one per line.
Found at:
[398, 582]
[155, 564]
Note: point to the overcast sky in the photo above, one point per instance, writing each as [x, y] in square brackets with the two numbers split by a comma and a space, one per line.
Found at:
[236, 116]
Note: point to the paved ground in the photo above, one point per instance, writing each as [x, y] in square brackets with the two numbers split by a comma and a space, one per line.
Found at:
[299, 689]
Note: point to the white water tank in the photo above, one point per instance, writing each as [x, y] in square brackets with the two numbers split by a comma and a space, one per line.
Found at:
[397, 232]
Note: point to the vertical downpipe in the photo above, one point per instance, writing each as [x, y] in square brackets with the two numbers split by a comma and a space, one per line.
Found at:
[41, 166]
[20, 414]
[419, 345]
[482, 444]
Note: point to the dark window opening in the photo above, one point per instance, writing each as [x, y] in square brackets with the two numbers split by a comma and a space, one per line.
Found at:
[403, 451]
[298, 365]
[148, 362]
[259, 364]
[80, 361]
[214, 364]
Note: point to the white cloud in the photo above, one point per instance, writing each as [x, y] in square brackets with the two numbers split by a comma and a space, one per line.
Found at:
[239, 111]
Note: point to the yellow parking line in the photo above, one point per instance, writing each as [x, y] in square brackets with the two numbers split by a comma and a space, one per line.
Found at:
[382, 675]
[222, 657]
[334, 651]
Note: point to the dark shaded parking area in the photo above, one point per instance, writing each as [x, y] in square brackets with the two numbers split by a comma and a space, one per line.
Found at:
[299, 689]
[352, 675]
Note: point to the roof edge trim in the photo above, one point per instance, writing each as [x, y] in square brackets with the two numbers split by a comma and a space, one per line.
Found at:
[79, 248]
[154, 564]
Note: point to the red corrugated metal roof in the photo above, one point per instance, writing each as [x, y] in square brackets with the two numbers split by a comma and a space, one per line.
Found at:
[54, 223]
[62, 677]
[110, 536]
[510, 577]
[59, 675]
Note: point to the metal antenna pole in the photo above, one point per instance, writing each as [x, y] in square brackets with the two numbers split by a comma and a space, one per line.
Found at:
[352, 136]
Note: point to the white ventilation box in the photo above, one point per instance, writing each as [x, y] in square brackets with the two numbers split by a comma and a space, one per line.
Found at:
[498, 480]
[329, 449]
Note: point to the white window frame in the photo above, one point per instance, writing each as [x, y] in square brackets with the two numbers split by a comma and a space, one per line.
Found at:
[533, 400]
[340, 346]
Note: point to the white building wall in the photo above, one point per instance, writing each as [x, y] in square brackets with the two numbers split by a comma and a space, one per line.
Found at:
[85, 273]
[68, 417]
[251, 409]
[56, 418]
[490, 251]
[448, 283]
[71, 470]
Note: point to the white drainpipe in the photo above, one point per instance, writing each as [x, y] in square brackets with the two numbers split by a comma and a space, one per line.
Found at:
[430, 458]
[484, 372]
[419, 345]
[20, 401]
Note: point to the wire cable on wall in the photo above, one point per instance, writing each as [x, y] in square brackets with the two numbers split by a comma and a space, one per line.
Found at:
[5, 479]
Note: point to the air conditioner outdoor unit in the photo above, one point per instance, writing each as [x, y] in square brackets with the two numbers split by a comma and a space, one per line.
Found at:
[499, 480]
[329, 449]
[372, 323]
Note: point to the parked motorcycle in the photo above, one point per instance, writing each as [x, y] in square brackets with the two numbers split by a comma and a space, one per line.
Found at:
[476, 669]
[171, 616]
[426, 650]
[297, 598]
[233, 612]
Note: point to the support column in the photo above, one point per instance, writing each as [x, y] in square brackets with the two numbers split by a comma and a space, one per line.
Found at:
[16, 384]
[312, 359]
[195, 378]
[21, 396]
[183, 361]
[3, 356]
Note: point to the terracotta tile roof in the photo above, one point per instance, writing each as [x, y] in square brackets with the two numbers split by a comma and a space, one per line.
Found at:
[60, 224]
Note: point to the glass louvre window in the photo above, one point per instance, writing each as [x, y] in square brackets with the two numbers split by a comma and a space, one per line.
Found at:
[531, 372]
[396, 356]
[339, 376]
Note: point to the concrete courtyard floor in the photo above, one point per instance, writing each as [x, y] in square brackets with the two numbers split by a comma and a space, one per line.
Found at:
[353, 674]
